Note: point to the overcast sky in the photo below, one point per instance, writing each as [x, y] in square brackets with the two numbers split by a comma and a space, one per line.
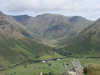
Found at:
[86, 8]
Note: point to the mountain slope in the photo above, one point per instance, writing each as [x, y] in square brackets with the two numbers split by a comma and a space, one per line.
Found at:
[86, 43]
[9, 25]
[15, 47]
[53, 26]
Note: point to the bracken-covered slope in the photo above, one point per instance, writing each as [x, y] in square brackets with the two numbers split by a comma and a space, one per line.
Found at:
[87, 43]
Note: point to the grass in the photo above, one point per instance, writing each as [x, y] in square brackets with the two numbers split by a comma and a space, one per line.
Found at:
[55, 67]
[14, 51]
[46, 57]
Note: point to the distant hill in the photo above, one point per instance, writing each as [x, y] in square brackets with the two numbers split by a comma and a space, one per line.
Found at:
[53, 26]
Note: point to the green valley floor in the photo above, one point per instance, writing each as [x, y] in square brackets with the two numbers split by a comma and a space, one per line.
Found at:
[54, 67]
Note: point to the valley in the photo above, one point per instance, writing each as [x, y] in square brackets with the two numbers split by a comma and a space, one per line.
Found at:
[45, 43]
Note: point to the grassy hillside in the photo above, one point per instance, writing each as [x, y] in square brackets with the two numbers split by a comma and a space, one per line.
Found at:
[85, 44]
[13, 51]
[16, 45]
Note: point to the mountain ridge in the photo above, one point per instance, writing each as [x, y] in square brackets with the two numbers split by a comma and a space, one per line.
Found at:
[54, 26]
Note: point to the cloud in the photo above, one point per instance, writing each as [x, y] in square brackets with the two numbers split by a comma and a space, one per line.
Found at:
[86, 8]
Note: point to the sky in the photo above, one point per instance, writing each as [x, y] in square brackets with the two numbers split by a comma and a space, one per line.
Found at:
[86, 8]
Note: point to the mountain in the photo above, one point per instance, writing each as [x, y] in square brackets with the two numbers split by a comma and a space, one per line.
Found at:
[16, 47]
[92, 31]
[79, 37]
[53, 26]
[23, 19]
[11, 26]
[86, 43]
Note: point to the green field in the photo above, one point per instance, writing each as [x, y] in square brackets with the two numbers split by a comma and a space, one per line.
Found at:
[55, 67]
[52, 67]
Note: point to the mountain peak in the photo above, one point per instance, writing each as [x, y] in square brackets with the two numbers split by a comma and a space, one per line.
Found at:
[50, 15]
[23, 16]
[77, 18]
